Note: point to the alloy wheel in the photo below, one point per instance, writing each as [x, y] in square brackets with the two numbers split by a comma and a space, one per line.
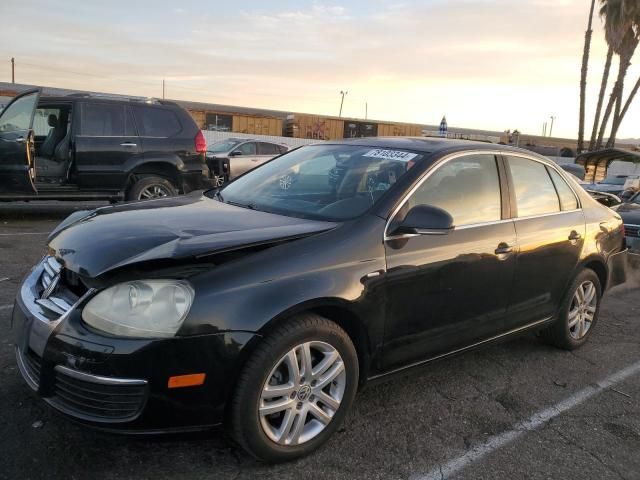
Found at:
[302, 393]
[583, 310]
[154, 191]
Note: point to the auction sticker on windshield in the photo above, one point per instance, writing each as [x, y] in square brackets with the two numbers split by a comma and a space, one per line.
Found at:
[391, 155]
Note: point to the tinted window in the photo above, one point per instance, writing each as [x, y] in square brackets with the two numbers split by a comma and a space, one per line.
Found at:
[156, 122]
[467, 187]
[283, 149]
[129, 124]
[17, 116]
[102, 120]
[535, 193]
[268, 149]
[568, 200]
[248, 148]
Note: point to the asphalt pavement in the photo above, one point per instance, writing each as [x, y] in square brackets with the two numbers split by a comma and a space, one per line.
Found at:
[515, 410]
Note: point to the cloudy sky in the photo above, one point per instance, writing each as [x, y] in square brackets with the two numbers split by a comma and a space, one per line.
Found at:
[493, 64]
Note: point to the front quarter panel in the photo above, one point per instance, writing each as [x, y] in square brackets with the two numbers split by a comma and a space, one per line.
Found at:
[326, 270]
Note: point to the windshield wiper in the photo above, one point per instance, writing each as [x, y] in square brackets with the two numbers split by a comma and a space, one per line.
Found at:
[250, 206]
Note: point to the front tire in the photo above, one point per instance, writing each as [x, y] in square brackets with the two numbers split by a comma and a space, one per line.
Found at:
[295, 389]
[578, 313]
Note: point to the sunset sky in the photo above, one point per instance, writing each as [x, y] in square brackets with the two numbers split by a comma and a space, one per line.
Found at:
[491, 64]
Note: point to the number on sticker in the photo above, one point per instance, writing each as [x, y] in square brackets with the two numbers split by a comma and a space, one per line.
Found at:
[390, 155]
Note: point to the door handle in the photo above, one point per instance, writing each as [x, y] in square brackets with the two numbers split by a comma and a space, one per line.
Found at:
[20, 140]
[574, 236]
[504, 248]
[128, 144]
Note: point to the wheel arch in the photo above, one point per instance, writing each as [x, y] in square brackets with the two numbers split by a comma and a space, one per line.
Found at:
[165, 169]
[599, 266]
[338, 311]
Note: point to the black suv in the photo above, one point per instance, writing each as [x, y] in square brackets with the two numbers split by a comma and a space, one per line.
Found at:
[83, 147]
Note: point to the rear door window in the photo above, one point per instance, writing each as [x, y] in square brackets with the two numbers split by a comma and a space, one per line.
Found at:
[157, 122]
[103, 120]
[534, 190]
[267, 149]
[568, 200]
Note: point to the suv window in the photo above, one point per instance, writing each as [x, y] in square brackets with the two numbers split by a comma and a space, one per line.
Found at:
[103, 120]
[17, 116]
[466, 187]
[248, 148]
[157, 122]
[568, 200]
[268, 149]
[535, 193]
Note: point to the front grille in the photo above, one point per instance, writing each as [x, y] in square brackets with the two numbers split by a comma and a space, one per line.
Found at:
[59, 289]
[97, 398]
[632, 230]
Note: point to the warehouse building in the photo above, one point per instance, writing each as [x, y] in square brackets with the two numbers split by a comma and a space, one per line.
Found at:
[225, 119]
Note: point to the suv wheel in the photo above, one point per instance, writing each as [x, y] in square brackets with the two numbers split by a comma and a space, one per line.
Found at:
[578, 314]
[151, 186]
[295, 389]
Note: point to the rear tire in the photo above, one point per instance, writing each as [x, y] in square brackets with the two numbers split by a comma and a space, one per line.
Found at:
[150, 187]
[317, 399]
[578, 313]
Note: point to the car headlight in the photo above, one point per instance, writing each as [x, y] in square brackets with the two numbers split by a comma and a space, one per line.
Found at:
[141, 308]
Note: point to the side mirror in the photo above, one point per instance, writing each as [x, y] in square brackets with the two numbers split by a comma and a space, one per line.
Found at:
[425, 220]
[235, 153]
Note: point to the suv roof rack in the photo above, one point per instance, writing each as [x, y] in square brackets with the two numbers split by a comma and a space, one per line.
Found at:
[108, 96]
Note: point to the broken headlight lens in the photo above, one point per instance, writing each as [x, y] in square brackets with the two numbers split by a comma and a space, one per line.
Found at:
[142, 308]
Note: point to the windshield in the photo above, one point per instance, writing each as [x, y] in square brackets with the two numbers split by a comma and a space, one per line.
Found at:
[223, 146]
[324, 182]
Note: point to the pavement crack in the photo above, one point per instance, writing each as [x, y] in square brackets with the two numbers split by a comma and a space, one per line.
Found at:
[572, 442]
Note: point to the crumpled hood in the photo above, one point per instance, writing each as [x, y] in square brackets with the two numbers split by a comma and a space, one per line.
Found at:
[92, 243]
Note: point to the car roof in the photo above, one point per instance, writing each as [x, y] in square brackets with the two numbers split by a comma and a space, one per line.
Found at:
[430, 144]
[106, 99]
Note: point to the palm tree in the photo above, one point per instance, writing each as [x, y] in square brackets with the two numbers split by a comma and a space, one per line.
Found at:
[621, 37]
[583, 76]
[603, 90]
[632, 12]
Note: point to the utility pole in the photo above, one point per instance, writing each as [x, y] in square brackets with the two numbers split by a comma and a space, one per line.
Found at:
[343, 93]
[366, 110]
[163, 88]
[13, 70]
[544, 129]
[551, 127]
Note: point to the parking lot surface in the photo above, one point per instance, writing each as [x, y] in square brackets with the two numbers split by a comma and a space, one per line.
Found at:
[514, 410]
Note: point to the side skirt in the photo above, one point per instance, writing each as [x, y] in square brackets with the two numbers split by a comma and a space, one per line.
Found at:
[497, 338]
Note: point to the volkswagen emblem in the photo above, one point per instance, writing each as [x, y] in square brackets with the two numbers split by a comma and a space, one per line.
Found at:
[304, 393]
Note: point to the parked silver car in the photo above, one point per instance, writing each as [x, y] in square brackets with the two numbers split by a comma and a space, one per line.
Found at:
[232, 157]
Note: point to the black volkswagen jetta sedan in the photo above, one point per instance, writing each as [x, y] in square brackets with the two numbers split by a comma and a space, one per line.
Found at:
[266, 304]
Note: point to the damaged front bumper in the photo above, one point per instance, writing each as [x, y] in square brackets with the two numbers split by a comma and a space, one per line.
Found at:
[121, 384]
